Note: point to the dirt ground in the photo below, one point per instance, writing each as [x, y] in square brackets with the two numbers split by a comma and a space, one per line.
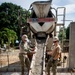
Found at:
[9, 58]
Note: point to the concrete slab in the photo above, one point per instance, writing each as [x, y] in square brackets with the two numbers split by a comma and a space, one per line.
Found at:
[19, 73]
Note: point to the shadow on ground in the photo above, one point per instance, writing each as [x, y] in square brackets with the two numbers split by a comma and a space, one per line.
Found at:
[14, 67]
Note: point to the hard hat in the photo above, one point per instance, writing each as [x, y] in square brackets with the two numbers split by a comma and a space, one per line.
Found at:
[55, 38]
[25, 36]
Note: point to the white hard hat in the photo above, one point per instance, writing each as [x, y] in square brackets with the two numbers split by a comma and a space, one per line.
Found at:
[55, 38]
[24, 37]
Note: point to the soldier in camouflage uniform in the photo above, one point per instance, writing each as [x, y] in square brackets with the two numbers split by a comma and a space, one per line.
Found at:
[54, 56]
[24, 49]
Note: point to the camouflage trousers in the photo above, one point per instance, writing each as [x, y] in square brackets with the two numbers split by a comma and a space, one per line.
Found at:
[24, 62]
[52, 64]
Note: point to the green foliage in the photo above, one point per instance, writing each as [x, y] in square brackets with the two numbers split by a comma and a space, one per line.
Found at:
[7, 36]
[62, 34]
[65, 34]
[9, 17]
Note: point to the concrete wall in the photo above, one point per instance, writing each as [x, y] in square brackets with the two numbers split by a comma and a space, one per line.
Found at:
[72, 46]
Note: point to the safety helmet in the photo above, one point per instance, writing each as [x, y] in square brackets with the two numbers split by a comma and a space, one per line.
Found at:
[55, 38]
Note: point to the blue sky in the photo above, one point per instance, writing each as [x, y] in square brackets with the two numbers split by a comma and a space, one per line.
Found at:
[68, 4]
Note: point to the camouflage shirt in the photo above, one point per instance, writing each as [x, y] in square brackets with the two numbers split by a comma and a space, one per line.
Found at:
[24, 47]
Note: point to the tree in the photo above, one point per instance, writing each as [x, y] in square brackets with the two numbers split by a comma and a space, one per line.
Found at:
[62, 34]
[9, 17]
[8, 36]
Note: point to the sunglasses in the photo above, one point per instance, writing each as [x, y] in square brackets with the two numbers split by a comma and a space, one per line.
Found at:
[54, 41]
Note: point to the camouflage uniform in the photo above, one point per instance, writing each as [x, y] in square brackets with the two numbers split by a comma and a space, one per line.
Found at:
[24, 49]
[52, 63]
